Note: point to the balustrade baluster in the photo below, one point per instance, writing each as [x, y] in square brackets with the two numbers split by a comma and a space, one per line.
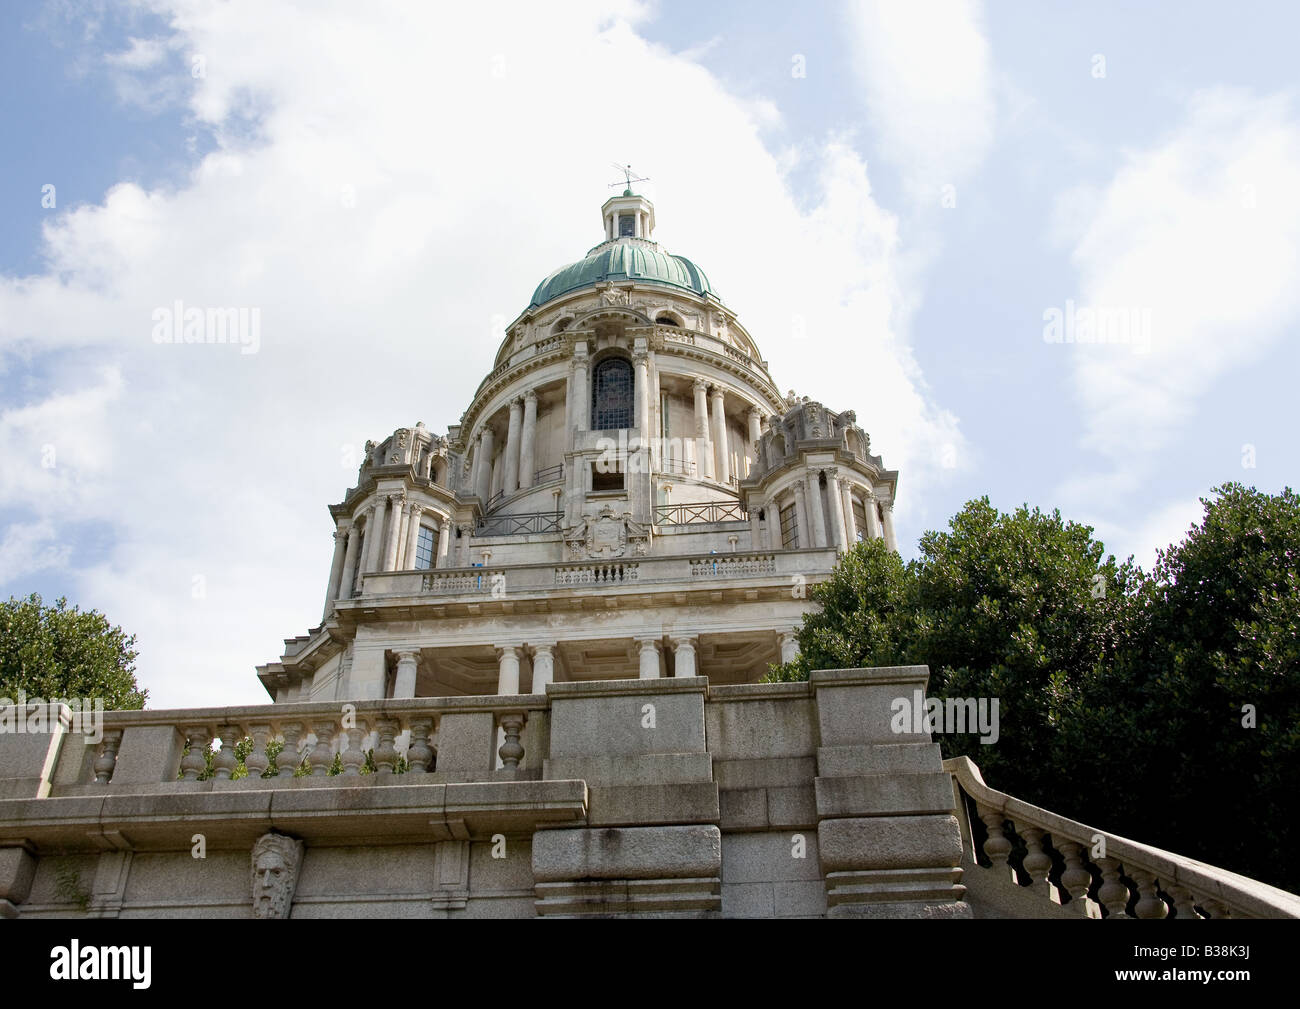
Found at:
[257, 760]
[288, 759]
[419, 755]
[322, 754]
[197, 741]
[511, 751]
[1113, 893]
[996, 845]
[354, 756]
[1076, 879]
[1037, 863]
[1150, 904]
[1183, 902]
[385, 752]
[106, 759]
[225, 762]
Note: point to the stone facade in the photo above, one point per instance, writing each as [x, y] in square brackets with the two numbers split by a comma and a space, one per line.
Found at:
[534, 689]
[627, 495]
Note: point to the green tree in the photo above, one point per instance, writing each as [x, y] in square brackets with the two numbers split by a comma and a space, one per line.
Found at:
[861, 608]
[1212, 644]
[61, 652]
[1020, 607]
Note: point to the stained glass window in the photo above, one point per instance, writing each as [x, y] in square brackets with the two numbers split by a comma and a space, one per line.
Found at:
[611, 402]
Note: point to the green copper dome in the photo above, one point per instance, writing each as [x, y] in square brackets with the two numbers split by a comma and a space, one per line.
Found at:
[633, 259]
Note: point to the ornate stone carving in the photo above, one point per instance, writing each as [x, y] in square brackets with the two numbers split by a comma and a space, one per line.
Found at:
[607, 536]
[614, 297]
[275, 864]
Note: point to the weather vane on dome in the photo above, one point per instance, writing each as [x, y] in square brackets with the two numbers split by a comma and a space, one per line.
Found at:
[628, 178]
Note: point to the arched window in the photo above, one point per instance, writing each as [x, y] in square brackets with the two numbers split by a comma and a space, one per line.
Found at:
[611, 400]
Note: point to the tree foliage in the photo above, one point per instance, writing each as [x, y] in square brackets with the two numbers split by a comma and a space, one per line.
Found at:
[60, 652]
[1122, 694]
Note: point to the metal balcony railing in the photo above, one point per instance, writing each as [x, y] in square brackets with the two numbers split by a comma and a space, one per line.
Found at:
[699, 512]
[520, 524]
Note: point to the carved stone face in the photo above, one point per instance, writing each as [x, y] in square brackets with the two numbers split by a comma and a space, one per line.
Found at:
[275, 875]
[268, 890]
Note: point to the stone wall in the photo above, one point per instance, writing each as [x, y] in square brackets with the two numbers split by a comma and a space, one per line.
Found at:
[624, 797]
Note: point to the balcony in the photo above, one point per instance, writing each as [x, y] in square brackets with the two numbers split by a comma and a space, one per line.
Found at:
[634, 574]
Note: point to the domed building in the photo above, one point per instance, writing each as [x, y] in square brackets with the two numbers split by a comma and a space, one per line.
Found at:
[627, 495]
[533, 691]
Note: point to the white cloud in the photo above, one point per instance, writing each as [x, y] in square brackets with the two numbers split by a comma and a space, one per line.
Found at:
[1149, 532]
[476, 145]
[1201, 230]
[29, 547]
[928, 85]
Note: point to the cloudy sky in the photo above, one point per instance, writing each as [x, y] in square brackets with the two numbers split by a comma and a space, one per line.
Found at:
[918, 209]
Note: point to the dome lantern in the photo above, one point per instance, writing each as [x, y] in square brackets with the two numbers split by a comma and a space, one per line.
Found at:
[628, 216]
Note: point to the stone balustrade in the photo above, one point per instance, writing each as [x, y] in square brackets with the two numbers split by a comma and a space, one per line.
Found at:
[366, 742]
[1077, 871]
[516, 579]
[732, 566]
[604, 797]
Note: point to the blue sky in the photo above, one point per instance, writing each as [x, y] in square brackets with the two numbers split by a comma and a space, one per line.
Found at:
[892, 224]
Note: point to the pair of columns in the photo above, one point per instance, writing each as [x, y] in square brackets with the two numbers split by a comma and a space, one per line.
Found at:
[388, 553]
[519, 451]
[508, 657]
[711, 449]
[840, 529]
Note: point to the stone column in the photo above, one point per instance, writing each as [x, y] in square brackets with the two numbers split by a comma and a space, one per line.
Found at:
[755, 530]
[891, 540]
[405, 511]
[789, 645]
[703, 449]
[755, 436]
[375, 533]
[336, 571]
[721, 455]
[543, 667]
[483, 466]
[648, 651]
[508, 678]
[349, 562]
[581, 404]
[873, 520]
[466, 533]
[444, 542]
[513, 432]
[412, 537]
[684, 656]
[404, 685]
[850, 523]
[774, 525]
[641, 380]
[836, 496]
[815, 506]
[394, 533]
[476, 448]
[527, 441]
